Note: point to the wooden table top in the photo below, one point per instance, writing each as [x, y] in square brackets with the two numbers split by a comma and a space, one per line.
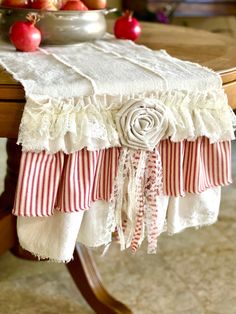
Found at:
[217, 52]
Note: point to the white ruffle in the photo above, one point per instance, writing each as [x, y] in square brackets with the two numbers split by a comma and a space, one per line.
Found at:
[69, 125]
[55, 237]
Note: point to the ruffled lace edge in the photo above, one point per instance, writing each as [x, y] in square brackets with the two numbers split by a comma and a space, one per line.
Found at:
[69, 125]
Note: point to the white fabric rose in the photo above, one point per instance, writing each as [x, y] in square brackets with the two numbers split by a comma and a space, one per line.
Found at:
[142, 123]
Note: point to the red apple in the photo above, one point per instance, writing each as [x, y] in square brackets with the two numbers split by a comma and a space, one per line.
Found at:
[16, 3]
[43, 5]
[95, 4]
[74, 5]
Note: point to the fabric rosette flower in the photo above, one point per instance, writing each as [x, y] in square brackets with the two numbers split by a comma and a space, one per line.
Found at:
[142, 123]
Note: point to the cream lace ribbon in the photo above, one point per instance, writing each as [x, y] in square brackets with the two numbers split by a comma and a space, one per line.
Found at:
[133, 207]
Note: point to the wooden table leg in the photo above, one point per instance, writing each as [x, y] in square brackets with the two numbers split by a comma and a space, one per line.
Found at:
[8, 237]
[13, 162]
[86, 276]
[82, 268]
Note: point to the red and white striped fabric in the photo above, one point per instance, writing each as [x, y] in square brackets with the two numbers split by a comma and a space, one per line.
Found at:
[70, 183]
[38, 181]
[195, 166]
[140, 209]
[149, 185]
[66, 182]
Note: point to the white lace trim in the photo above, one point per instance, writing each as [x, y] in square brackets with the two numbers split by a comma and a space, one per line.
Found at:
[69, 125]
[72, 99]
[133, 210]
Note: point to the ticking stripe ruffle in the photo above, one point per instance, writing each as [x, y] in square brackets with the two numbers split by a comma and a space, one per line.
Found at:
[70, 183]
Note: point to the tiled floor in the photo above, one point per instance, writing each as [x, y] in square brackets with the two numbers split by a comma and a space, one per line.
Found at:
[193, 273]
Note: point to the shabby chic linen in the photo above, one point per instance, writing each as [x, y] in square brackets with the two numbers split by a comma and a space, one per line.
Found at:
[116, 138]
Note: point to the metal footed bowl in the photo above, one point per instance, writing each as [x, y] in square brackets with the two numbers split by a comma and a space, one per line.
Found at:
[59, 27]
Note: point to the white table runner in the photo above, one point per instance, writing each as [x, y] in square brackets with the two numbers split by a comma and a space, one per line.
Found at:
[91, 82]
[114, 93]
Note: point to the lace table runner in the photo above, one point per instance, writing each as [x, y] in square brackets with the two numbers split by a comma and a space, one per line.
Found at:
[116, 138]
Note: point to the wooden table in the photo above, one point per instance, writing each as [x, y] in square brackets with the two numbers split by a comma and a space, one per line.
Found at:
[215, 51]
[181, 8]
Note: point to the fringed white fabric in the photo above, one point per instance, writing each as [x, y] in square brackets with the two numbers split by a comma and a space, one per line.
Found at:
[52, 238]
[72, 100]
[193, 210]
[93, 231]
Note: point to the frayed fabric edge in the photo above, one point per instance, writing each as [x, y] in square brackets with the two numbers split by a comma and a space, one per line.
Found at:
[195, 227]
[45, 258]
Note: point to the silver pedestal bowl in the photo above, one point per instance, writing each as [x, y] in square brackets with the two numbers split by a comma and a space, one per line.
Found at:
[59, 27]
